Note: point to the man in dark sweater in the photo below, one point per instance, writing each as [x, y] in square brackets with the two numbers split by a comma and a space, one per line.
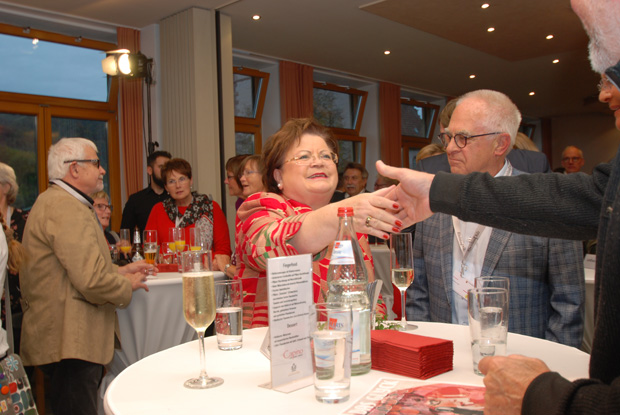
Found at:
[575, 206]
[139, 205]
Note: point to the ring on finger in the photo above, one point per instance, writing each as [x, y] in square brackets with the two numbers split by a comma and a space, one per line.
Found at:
[368, 219]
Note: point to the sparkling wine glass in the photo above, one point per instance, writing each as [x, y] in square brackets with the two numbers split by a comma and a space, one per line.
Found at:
[401, 266]
[199, 310]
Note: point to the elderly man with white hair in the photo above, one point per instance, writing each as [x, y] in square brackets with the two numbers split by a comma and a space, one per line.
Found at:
[547, 288]
[70, 288]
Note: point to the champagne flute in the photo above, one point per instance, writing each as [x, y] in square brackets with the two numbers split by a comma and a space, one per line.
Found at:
[179, 239]
[124, 245]
[199, 310]
[171, 243]
[150, 247]
[195, 239]
[401, 265]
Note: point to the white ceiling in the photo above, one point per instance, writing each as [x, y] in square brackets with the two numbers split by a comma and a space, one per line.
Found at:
[435, 44]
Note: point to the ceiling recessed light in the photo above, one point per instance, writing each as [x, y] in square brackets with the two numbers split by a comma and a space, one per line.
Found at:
[549, 37]
[386, 52]
[556, 61]
[485, 5]
[256, 17]
[532, 93]
[491, 29]
[472, 76]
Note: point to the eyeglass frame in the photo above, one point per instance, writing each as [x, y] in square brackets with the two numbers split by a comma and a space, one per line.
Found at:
[465, 138]
[571, 159]
[94, 162]
[180, 180]
[103, 206]
[248, 172]
[333, 157]
[604, 85]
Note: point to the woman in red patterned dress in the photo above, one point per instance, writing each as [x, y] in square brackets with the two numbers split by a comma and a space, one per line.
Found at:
[294, 215]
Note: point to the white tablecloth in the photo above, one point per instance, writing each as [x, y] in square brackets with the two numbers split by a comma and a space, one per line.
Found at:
[381, 257]
[154, 385]
[152, 322]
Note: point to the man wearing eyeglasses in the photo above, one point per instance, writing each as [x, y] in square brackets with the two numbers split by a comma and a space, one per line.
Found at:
[572, 160]
[547, 288]
[70, 288]
[575, 206]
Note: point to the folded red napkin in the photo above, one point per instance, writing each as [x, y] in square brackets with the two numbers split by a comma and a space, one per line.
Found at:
[409, 354]
[168, 267]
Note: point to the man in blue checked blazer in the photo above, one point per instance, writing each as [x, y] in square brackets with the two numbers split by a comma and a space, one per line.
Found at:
[547, 288]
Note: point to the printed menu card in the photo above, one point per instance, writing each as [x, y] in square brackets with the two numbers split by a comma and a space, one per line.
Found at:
[289, 281]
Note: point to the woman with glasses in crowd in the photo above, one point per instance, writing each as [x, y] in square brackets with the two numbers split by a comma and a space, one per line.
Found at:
[250, 176]
[103, 209]
[187, 209]
[294, 216]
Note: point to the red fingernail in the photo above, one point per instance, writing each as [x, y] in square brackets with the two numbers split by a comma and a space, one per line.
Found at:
[399, 224]
[385, 236]
[395, 206]
[396, 230]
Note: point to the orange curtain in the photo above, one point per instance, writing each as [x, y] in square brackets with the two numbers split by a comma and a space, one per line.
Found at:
[390, 131]
[296, 91]
[131, 116]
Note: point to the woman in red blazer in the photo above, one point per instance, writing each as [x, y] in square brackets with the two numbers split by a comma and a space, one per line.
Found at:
[186, 209]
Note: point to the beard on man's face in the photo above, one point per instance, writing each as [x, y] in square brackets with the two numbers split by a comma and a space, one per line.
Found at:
[157, 180]
[600, 58]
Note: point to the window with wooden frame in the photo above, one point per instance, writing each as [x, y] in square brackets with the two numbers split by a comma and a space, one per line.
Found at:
[342, 109]
[40, 104]
[418, 120]
[250, 86]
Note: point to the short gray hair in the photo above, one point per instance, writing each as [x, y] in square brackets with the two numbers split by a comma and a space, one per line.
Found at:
[66, 149]
[501, 113]
[7, 175]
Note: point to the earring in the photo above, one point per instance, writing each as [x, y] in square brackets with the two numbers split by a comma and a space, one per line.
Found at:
[280, 186]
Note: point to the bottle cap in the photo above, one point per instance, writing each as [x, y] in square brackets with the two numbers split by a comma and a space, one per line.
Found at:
[345, 211]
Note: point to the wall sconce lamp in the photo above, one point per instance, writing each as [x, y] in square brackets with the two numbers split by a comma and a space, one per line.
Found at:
[123, 63]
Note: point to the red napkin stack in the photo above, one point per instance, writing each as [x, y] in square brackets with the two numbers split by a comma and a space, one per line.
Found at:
[168, 267]
[409, 354]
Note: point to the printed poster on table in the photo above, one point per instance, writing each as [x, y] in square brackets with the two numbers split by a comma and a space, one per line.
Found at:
[289, 281]
[396, 396]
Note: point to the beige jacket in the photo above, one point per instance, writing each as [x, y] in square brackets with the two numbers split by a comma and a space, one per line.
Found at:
[70, 288]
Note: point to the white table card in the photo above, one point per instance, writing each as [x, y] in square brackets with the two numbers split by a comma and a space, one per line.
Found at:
[589, 261]
[289, 281]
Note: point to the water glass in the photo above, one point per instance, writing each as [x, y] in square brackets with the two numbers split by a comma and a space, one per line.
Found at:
[229, 314]
[492, 282]
[488, 322]
[195, 260]
[330, 334]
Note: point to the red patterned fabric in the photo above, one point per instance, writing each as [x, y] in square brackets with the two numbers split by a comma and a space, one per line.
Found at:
[266, 222]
